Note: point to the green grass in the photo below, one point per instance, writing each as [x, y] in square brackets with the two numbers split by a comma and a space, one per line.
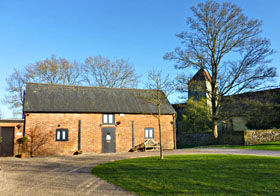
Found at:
[195, 175]
[265, 146]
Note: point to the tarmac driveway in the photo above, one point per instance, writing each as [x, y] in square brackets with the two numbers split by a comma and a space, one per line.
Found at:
[71, 175]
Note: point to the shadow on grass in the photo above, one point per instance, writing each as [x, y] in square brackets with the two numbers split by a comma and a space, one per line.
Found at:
[195, 175]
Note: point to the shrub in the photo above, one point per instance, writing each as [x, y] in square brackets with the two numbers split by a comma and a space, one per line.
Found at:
[196, 116]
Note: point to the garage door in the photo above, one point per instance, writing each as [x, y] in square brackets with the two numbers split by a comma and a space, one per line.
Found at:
[7, 144]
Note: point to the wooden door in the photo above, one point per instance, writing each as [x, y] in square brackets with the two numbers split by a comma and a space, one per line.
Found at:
[7, 144]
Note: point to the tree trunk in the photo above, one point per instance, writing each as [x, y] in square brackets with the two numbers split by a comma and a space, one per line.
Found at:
[23, 147]
[31, 147]
[214, 119]
[215, 128]
[159, 127]
[214, 102]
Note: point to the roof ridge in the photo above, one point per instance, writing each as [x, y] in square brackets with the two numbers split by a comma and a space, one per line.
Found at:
[205, 74]
[67, 85]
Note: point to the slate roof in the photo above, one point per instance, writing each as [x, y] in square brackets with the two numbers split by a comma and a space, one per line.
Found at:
[80, 99]
[12, 120]
[201, 75]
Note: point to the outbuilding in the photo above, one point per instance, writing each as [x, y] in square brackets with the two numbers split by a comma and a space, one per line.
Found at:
[10, 131]
[64, 119]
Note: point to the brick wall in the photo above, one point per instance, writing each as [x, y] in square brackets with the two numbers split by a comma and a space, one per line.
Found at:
[45, 124]
[18, 132]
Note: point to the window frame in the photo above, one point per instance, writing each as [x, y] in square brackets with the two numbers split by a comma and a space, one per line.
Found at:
[60, 132]
[153, 133]
[107, 123]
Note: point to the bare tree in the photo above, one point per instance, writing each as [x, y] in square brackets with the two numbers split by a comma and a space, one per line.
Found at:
[101, 71]
[36, 140]
[160, 87]
[15, 89]
[54, 71]
[227, 44]
[51, 70]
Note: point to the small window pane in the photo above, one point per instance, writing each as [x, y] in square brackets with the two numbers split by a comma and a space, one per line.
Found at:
[110, 118]
[151, 133]
[108, 137]
[58, 135]
[105, 118]
[146, 133]
[63, 135]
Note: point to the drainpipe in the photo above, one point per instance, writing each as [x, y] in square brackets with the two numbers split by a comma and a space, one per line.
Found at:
[174, 131]
[79, 136]
[24, 123]
[133, 136]
[24, 132]
[24, 120]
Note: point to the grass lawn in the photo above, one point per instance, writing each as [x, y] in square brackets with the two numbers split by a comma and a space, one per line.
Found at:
[195, 175]
[265, 146]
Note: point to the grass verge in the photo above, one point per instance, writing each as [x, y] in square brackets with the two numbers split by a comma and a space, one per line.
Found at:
[195, 175]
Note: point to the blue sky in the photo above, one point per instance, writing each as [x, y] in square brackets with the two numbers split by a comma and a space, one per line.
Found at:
[140, 30]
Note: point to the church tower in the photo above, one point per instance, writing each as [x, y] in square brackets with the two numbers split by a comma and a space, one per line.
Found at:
[200, 86]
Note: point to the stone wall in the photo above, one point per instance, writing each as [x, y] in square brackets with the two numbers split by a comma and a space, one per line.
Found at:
[249, 137]
[207, 138]
[231, 138]
[195, 139]
[261, 136]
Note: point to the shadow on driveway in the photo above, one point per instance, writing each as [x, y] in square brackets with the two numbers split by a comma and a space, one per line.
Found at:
[71, 175]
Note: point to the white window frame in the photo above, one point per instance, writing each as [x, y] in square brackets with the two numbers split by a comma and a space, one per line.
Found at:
[62, 135]
[108, 119]
[149, 133]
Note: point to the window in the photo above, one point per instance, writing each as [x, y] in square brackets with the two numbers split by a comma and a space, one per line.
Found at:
[149, 133]
[108, 137]
[109, 119]
[62, 135]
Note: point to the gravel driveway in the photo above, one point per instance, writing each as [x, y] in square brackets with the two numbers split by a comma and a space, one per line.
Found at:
[71, 175]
